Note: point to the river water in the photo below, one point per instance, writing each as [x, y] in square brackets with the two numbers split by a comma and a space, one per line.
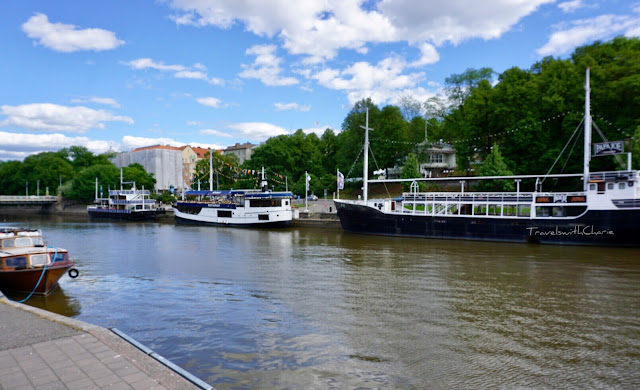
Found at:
[318, 308]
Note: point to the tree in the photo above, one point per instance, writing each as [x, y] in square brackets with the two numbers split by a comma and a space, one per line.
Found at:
[84, 184]
[410, 170]
[494, 165]
[410, 107]
[136, 173]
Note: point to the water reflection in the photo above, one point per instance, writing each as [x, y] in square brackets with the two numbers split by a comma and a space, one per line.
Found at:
[312, 308]
[58, 302]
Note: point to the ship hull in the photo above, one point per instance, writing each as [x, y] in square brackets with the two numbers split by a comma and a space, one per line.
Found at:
[24, 281]
[276, 219]
[138, 215]
[602, 228]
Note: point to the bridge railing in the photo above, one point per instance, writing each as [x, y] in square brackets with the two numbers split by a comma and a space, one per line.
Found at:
[24, 199]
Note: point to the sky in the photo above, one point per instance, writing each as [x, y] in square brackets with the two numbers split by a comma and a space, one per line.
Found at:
[121, 74]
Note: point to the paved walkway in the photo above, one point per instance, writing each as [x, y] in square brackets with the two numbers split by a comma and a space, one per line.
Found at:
[43, 350]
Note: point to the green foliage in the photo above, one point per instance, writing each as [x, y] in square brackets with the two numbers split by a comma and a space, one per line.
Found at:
[410, 170]
[165, 197]
[225, 168]
[495, 165]
[84, 185]
[137, 174]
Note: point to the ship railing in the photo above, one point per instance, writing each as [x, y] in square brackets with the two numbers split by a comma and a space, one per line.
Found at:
[133, 201]
[491, 204]
[128, 192]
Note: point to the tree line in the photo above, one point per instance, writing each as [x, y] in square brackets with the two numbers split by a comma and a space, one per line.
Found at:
[515, 122]
[71, 172]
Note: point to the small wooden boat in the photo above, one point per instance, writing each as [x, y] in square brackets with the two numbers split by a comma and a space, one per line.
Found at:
[28, 265]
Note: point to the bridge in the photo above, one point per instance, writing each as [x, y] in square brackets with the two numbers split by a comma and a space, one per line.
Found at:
[24, 200]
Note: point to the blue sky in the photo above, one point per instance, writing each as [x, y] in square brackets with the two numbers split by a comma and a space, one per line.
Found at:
[121, 74]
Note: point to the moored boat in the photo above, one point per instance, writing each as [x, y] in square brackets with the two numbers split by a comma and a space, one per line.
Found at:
[605, 212]
[132, 204]
[240, 208]
[27, 265]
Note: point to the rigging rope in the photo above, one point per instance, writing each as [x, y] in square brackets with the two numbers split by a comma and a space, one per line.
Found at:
[563, 149]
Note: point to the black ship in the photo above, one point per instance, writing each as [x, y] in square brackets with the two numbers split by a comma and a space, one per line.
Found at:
[606, 212]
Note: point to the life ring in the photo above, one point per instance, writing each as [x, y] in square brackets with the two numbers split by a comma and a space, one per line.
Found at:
[73, 273]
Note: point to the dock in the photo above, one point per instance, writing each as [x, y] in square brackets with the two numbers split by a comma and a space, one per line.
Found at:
[44, 350]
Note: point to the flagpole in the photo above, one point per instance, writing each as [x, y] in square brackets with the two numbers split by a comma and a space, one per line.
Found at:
[306, 189]
[338, 180]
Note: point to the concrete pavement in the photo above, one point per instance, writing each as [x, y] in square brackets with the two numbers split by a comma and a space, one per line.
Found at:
[43, 350]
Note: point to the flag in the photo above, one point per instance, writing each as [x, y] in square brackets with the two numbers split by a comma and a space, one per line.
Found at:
[340, 181]
[308, 180]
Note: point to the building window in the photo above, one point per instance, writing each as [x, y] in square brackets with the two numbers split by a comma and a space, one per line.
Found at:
[436, 158]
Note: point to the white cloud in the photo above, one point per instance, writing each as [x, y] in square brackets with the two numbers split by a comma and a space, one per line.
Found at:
[291, 106]
[318, 130]
[210, 101]
[197, 72]
[319, 29]
[580, 32]
[428, 55]
[100, 100]
[194, 123]
[54, 117]
[381, 82]
[570, 6]
[266, 67]
[214, 132]
[19, 145]
[146, 63]
[66, 37]
[258, 131]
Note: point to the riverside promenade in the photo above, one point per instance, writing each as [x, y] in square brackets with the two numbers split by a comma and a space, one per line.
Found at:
[43, 350]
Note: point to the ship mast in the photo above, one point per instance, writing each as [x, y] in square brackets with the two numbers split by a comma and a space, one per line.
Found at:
[365, 174]
[587, 131]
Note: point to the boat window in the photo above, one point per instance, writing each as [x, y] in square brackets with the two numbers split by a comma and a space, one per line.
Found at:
[543, 211]
[465, 209]
[481, 210]
[622, 186]
[559, 211]
[510, 210]
[224, 213]
[18, 262]
[263, 203]
[8, 243]
[630, 184]
[524, 210]
[286, 203]
[494, 209]
[609, 186]
[39, 260]
[23, 241]
[439, 208]
[452, 209]
[592, 187]
[60, 257]
[263, 217]
[37, 241]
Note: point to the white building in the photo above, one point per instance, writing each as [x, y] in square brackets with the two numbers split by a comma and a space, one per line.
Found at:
[440, 159]
[165, 162]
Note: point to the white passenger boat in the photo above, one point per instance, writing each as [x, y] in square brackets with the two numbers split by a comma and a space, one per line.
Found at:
[249, 208]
